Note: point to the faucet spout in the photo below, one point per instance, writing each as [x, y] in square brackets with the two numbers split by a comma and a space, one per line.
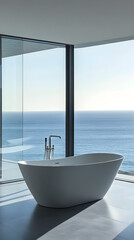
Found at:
[51, 136]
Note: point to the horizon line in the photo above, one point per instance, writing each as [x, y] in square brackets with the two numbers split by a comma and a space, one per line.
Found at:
[96, 110]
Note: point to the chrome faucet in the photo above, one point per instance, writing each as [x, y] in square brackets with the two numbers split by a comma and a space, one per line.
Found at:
[49, 151]
[50, 140]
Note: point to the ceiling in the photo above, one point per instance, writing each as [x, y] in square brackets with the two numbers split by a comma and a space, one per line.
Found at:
[78, 22]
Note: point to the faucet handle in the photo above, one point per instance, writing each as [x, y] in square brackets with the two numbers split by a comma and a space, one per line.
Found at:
[45, 143]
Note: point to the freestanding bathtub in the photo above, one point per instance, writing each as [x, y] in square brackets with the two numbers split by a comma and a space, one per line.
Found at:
[70, 181]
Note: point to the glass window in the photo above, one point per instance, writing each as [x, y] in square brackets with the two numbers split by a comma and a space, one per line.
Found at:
[104, 109]
[11, 108]
[43, 99]
[33, 102]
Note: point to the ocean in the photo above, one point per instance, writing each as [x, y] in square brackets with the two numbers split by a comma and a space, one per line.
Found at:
[23, 136]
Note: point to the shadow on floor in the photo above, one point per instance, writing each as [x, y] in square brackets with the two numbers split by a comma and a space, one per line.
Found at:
[27, 221]
[12, 194]
[127, 233]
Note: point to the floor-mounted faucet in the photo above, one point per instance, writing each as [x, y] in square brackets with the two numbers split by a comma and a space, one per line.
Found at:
[49, 150]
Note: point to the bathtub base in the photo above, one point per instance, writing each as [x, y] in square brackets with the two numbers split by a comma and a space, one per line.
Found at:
[63, 206]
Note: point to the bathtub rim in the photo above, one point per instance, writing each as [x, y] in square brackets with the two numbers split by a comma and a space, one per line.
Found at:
[27, 163]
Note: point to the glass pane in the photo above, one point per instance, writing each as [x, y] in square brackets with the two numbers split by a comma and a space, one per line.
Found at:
[11, 108]
[44, 99]
[104, 109]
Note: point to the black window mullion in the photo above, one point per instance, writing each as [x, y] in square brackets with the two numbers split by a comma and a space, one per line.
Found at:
[69, 100]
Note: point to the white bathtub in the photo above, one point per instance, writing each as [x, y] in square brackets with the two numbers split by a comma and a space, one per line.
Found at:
[70, 181]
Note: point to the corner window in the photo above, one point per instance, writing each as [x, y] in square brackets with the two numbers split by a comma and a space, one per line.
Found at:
[104, 101]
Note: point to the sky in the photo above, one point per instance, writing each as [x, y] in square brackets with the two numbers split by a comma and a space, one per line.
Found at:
[41, 78]
[104, 79]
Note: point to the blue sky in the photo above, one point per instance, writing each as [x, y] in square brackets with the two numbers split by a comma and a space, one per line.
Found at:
[43, 83]
[104, 79]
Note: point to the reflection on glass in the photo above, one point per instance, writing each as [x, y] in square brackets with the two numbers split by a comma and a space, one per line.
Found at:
[11, 107]
[104, 110]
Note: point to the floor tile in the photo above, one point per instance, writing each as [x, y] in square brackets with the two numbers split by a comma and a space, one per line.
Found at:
[103, 208]
[120, 195]
[7, 233]
[78, 228]
[128, 232]
[22, 218]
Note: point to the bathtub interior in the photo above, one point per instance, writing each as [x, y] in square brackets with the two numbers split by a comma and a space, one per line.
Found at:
[94, 158]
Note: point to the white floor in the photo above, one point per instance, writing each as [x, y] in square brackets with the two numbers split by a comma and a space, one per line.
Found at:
[10, 170]
[104, 220]
[107, 219]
